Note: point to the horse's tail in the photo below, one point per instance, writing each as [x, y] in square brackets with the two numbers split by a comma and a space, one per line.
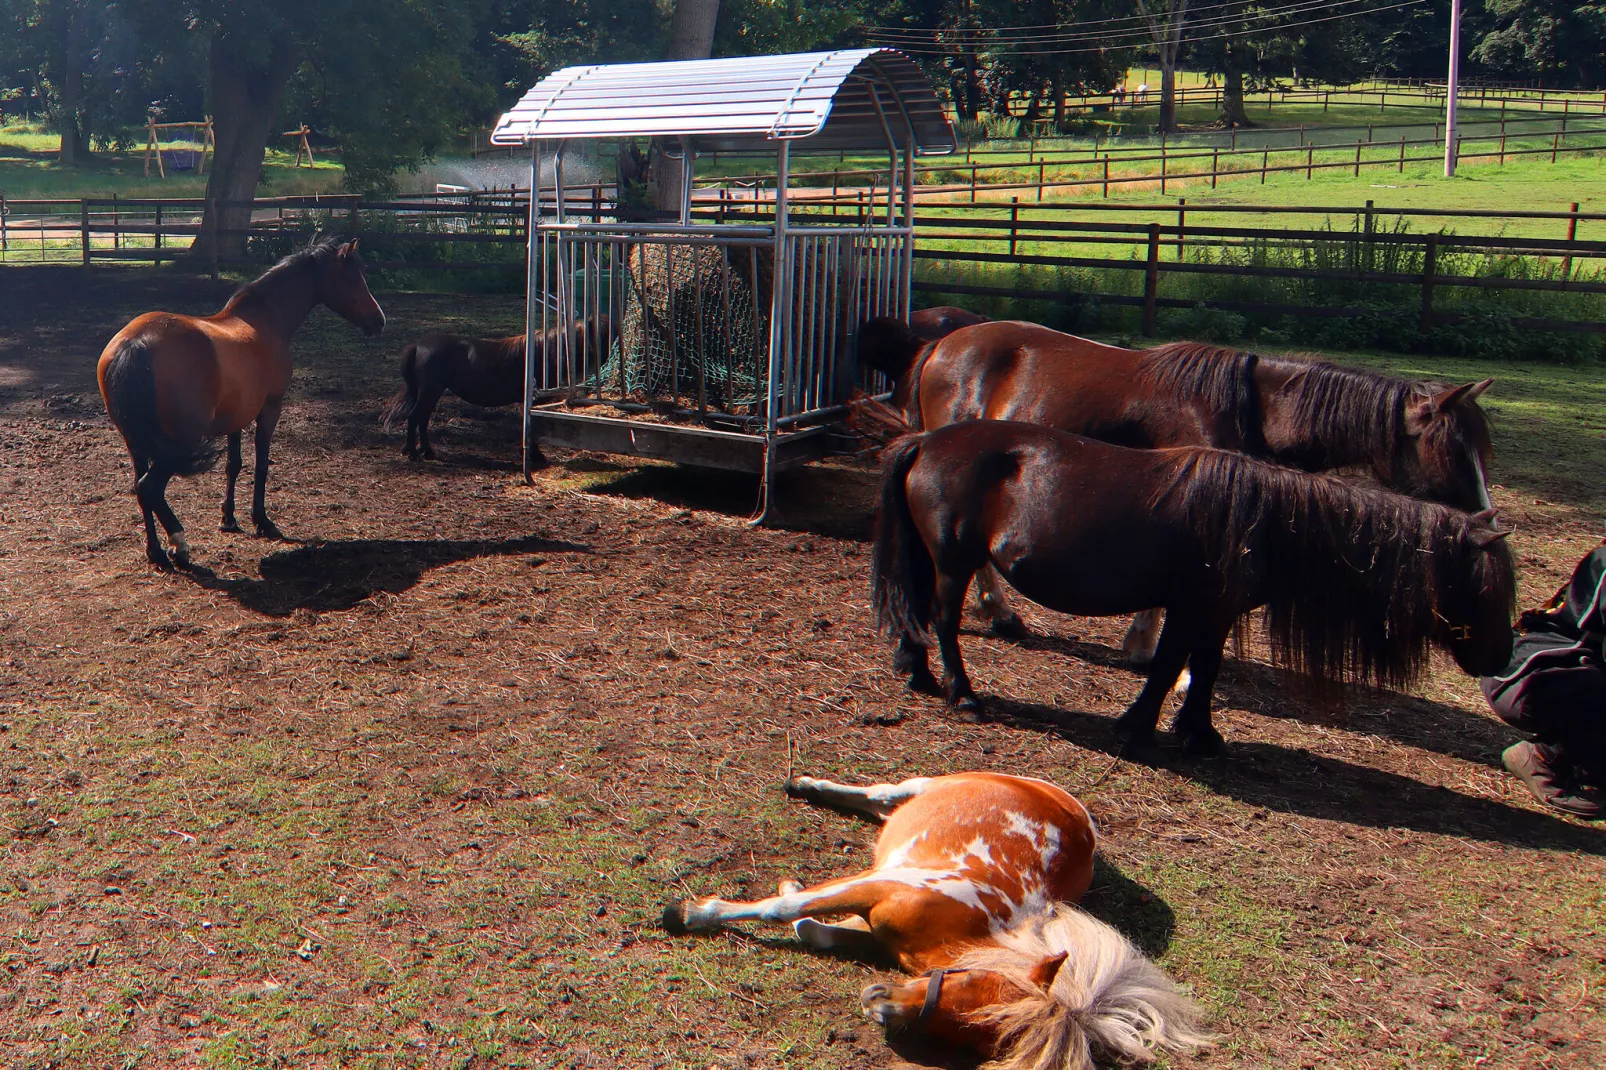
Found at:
[876, 420]
[903, 578]
[1106, 999]
[129, 388]
[401, 406]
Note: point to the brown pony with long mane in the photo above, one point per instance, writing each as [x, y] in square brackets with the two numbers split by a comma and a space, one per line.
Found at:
[1357, 582]
[481, 371]
[174, 384]
[1420, 438]
[971, 891]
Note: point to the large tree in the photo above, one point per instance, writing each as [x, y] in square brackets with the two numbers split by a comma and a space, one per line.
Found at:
[1166, 20]
[385, 74]
[1560, 42]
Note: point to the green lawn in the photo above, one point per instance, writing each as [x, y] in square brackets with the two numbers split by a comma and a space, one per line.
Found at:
[28, 170]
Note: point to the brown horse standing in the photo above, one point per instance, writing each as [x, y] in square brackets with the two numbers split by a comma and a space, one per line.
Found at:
[1356, 582]
[971, 890]
[481, 371]
[1419, 438]
[173, 384]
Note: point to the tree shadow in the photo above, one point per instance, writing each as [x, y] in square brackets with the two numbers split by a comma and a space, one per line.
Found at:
[1296, 781]
[1268, 691]
[338, 575]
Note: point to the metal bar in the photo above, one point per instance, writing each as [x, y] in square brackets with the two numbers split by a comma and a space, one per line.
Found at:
[534, 269]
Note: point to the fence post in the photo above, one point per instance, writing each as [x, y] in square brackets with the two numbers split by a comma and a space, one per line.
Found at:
[1039, 181]
[1264, 155]
[1014, 220]
[1215, 165]
[1182, 225]
[1326, 96]
[1430, 261]
[1371, 247]
[4, 241]
[1151, 280]
[1402, 154]
[1357, 157]
[1310, 162]
[83, 228]
[972, 184]
[1572, 235]
[1502, 148]
[158, 236]
[1555, 143]
[117, 223]
[1106, 176]
[1162, 168]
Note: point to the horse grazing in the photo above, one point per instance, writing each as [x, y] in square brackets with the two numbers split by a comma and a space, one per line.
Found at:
[481, 371]
[972, 889]
[174, 384]
[1357, 582]
[893, 347]
[1420, 438]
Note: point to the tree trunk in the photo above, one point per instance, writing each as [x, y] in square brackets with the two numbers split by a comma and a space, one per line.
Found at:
[1232, 94]
[691, 30]
[1166, 30]
[1057, 87]
[73, 127]
[691, 36]
[245, 99]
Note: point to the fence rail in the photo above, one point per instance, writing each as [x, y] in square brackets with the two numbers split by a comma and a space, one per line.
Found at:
[1118, 240]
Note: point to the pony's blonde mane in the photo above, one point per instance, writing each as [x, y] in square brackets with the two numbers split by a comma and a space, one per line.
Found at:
[1107, 999]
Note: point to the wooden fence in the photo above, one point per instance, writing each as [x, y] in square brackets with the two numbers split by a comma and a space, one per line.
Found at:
[1157, 240]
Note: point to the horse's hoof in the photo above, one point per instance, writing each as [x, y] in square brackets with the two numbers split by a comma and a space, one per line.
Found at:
[231, 525]
[159, 559]
[969, 708]
[429, 455]
[1010, 627]
[675, 918]
[922, 682]
[1204, 743]
[1134, 731]
[267, 529]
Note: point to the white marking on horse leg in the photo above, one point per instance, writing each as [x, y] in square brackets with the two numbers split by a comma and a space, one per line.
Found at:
[1142, 637]
[852, 934]
[877, 800]
[1184, 681]
[181, 546]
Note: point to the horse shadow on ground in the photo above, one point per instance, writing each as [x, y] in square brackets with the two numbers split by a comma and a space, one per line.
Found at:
[328, 576]
[1282, 695]
[1296, 781]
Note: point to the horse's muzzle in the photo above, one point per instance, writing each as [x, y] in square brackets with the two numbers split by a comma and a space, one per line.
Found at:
[373, 324]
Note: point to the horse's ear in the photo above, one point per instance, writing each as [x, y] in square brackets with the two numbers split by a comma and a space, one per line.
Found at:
[1486, 539]
[1458, 395]
[1484, 532]
[1044, 972]
[349, 248]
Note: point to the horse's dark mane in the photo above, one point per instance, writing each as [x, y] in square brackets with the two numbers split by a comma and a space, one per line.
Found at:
[1223, 378]
[1352, 577]
[321, 247]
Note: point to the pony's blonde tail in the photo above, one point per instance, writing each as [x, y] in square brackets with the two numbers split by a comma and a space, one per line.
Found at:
[1107, 1001]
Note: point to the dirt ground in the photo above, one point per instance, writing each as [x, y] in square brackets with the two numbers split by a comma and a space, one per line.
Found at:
[412, 789]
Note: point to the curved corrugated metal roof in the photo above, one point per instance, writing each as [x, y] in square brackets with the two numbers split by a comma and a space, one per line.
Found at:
[828, 98]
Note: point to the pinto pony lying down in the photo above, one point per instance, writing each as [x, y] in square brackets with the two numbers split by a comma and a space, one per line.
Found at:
[972, 889]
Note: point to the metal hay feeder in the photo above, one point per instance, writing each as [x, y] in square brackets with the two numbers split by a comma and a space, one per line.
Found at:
[734, 341]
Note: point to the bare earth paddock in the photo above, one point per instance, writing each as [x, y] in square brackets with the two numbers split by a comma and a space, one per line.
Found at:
[411, 792]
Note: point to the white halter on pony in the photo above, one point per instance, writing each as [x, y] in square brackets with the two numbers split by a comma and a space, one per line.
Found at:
[971, 891]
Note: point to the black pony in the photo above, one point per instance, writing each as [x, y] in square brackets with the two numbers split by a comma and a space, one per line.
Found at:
[1356, 582]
